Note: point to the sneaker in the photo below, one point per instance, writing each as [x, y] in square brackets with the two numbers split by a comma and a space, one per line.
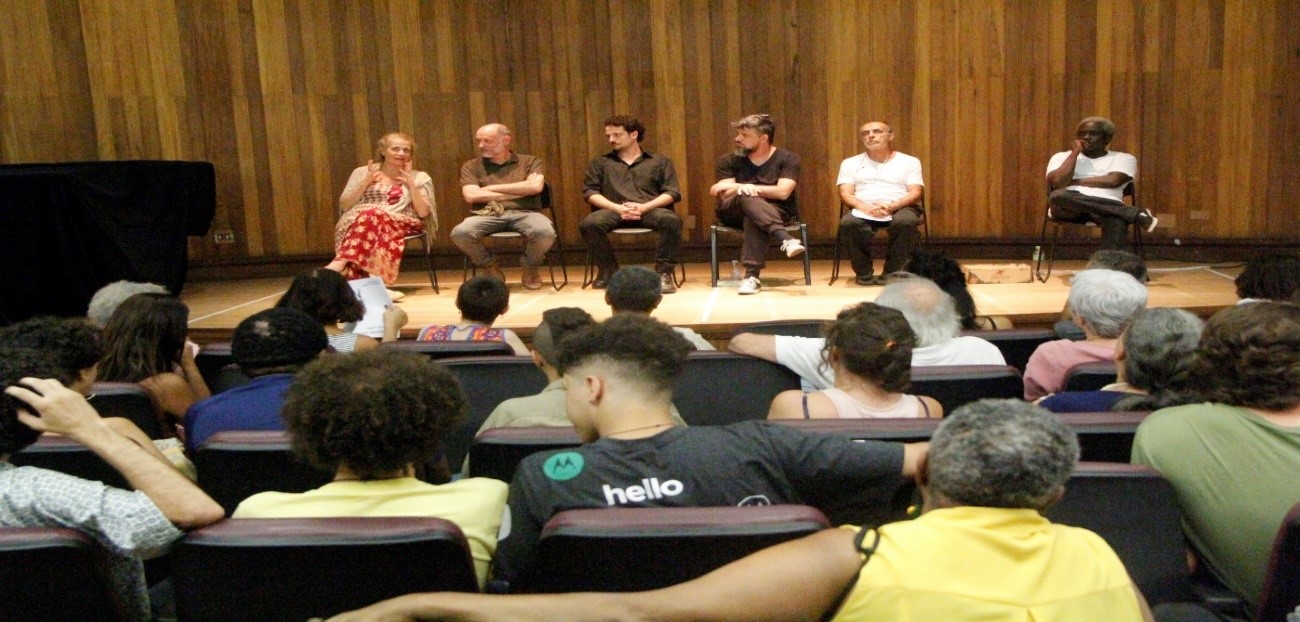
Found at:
[531, 279]
[865, 281]
[666, 283]
[395, 295]
[1147, 221]
[792, 248]
[750, 285]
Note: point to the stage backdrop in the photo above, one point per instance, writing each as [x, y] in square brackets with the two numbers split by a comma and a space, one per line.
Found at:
[285, 97]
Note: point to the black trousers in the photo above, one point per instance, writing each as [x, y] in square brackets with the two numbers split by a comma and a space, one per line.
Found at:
[760, 220]
[1112, 216]
[903, 238]
[596, 226]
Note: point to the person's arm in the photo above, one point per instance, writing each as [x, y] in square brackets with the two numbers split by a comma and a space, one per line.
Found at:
[755, 345]
[133, 433]
[531, 185]
[724, 188]
[1063, 175]
[421, 201]
[851, 199]
[1113, 179]
[394, 319]
[913, 196]
[781, 191]
[193, 377]
[172, 392]
[64, 411]
[787, 405]
[794, 581]
[365, 342]
[475, 194]
[933, 409]
[362, 178]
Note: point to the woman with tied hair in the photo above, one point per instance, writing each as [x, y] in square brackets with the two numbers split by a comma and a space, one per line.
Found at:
[948, 275]
[383, 202]
[869, 349]
[327, 297]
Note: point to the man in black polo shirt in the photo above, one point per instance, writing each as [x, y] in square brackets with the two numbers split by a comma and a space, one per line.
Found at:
[631, 187]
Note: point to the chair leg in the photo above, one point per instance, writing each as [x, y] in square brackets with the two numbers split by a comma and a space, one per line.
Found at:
[713, 253]
[587, 272]
[564, 266]
[1038, 263]
[807, 254]
[433, 272]
[835, 262]
[467, 269]
[682, 267]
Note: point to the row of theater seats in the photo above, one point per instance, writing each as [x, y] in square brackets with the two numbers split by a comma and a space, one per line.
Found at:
[293, 569]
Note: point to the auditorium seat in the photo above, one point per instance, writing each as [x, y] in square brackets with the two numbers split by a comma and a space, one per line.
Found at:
[718, 388]
[233, 466]
[1016, 344]
[631, 549]
[1090, 376]
[898, 430]
[1105, 436]
[496, 453]
[62, 454]
[438, 350]
[55, 575]
[129, 401]
[211, 359]
[954, 385]
[795, 328]
[487, 381]
[295, 569]
[1281, 593]
[1135, 510]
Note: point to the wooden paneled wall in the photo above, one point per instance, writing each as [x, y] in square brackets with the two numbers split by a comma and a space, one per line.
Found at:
[285, 97]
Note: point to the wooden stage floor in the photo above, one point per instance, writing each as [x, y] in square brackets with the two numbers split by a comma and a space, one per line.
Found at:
[216, 307]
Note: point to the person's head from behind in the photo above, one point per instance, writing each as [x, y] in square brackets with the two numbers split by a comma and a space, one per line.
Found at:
[999, 454]
[948, 275]
[634, 289]
[75, 343]
[106, 300]
[277, 341]
[627, 359]
[1159, 347]
[1122, 261]
[372, 414]
[324, 295]
[1249, 356]
[556, 324]
[143, 338]
[1104, 301]
[483, 299]
[1270, 277]
[928, 309]
[873, 343]
[16, 364]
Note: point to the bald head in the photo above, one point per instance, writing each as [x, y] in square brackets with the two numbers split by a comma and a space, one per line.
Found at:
[493, 141]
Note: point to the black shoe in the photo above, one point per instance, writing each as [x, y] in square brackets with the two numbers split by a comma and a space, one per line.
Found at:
[1147, 221]
[865, 281]
[601, 282]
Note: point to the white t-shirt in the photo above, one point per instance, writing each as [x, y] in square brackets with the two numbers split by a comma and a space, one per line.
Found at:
[880, 181]
[1084, 166]
[803, 355]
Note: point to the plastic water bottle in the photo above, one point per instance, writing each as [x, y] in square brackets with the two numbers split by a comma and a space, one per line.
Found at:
[735, 270]
[1037, 254]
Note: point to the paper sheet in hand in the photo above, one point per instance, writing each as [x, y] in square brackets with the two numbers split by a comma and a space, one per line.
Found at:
[865, 216]
[374, 296]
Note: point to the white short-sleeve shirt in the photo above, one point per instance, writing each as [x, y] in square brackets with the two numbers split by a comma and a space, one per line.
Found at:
[1084, 166]
[880, 181]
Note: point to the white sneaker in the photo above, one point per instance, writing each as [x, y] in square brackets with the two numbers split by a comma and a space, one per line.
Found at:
[750, 285]
[395, 295]
[792, 248]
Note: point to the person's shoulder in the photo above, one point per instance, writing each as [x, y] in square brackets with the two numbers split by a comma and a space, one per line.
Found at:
[907, 158]
[786, 154]
[852, 160]
[479, 485]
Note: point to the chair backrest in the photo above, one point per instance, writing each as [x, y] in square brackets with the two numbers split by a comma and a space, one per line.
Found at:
[794, 328]
[718, 388]
[1281, 593]
[955, 385]
[631, 549]
[487, 381]
[438, 350]
[1090, 376]
[235, 465]
[130, 401]
[211, 359]
[53, 575]
[296, 569]
[62, 454]
[1135, 510]
[1105, 436]
[1016, 344]
[897, 430]
[496, 453]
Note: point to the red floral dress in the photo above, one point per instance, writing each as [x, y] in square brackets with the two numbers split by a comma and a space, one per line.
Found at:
[370, 236]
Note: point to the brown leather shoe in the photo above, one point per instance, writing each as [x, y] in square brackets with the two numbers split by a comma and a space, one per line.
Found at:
[531, 279]
[493, 270]
[666, 283]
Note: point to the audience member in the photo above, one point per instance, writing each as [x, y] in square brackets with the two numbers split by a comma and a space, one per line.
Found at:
[869, 351]
[481, 300]
[1233, 460]
[144, 342]
[630, 290]
[107, 298]
[1269, 277]
[948, 275]
[981, 551]
[269, 347]
[77, 345]
[1109, 259]
[373, 418]
[1103, 302]
[131, 525]
[929, 311]
[619, 378]
[1153, 360]
[324, 295]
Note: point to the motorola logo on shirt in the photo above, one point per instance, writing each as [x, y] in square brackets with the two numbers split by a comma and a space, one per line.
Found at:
[649, 490]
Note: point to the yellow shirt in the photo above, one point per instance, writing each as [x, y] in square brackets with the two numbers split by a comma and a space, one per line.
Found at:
[475, 504]
[990, 564]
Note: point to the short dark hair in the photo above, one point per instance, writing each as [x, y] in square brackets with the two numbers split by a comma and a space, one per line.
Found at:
[643, 347]
[948, 275]
[629, 124]
[375, 412]
[324, 295]
[761, 123]
[556, 324]
[875, 343]
[1121, 261]
[482, 299]
[1270, 277]
[276, 340]
[634, 288]
[16, 364]
[143, 338]
[76, 343]
[1249, 356]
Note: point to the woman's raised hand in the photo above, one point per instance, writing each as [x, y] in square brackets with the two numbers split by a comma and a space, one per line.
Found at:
[374, 172]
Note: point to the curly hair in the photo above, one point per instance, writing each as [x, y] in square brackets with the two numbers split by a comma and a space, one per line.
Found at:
[629, 124]
[634, 288]
[482, 299]
[638, 345]
[1249, 356]
[375, 412]
[948, 275]
[76, 343]
[16, 364]
[874, 343]
[1270, 277]
[325, 295]
[556, 324]
[143, 338]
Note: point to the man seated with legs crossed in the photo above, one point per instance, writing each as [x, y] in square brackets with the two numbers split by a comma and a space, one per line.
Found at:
[884, 189]
[1087, 184]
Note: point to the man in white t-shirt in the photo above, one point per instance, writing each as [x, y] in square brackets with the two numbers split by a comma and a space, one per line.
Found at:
[1087, 184]
[883, 188]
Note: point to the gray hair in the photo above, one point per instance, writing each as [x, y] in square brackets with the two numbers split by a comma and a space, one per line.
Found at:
[1001, 454]
[1106, 299]
[1107, 126]
[1159, 347]
[929, 310]
[106, 300]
